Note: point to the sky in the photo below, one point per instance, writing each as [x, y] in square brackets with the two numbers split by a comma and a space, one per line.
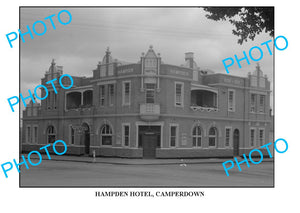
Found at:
[128, 32]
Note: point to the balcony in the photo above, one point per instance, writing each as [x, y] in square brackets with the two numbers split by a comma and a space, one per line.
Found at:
[204, 100]
[79, 100]
[149, 112]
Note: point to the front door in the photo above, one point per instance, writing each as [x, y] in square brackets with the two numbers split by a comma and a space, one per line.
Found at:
[236, 141]
[149, 141]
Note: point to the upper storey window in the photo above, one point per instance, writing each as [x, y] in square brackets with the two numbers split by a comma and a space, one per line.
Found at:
[102, 95]
[231, 100]
[253, 103]
[179, 94]
[126, 93]
[150, 93]
[262, 103]
[111, 94]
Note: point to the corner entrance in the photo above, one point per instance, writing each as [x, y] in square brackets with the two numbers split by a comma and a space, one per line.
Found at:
[86, 137]
[149, 140]
[236, 142]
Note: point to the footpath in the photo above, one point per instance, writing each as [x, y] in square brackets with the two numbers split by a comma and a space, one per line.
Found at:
[137, 161]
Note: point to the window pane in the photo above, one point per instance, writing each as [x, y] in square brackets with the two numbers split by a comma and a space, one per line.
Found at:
[126, 93]
[106, 140]
[126, 135]
[35, 134]
[261, 136]
[230, 96]
[252, 134]
[51, 138]
[173, 130]
[199, 141]
[212, 141]
[111, 93]
[253, 102]
[195, 131]
[127, 88]
[198, 130]
[103, 131]
[230, 100]
[178, 95]
[28, 134]
[173, 141]
[262, 100]
[126, 130]
[212, 131]
[227, 137]
[102, 95]
[252, 98]
[72, 135]
[150, 96]
[126, 141]
[173, 136]
[194, 141]
[178, 89]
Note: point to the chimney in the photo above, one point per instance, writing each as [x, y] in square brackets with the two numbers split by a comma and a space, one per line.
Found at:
[189, 57]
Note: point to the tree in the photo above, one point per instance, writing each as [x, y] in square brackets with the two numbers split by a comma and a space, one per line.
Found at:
[248, 21]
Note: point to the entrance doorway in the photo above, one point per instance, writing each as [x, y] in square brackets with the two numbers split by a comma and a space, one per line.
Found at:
[149, 140]
[86, 137]
[149, 145]
[236, 142]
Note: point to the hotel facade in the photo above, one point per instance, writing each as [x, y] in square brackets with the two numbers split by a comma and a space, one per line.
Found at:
[151, 109]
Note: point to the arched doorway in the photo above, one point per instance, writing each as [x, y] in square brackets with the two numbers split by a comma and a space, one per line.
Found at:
[236, 142]
[86, 137]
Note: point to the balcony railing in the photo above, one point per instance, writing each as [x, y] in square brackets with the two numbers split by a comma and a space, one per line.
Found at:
[204, 109]
[149, 112]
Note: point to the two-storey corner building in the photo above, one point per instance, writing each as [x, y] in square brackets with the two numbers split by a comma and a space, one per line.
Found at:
[150, 109]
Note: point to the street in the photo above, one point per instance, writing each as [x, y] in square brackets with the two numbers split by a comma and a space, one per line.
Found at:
[84, 174]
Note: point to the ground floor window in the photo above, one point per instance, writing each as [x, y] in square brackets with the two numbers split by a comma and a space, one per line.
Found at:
[212, 137]
[252, 137]
[173, 135]
[35, 134]
[125, 135]
[106, 135]
[28, 134]
[197, 135]
[227, 136]
[72, 135]
[261, 136]
[51, 135]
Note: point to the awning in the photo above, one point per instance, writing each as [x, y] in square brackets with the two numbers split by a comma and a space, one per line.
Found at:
[203, 87]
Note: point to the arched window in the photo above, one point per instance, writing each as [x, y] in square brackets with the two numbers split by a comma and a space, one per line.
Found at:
[197, 136]
[106, 135]
[51, 135]
[212, 136]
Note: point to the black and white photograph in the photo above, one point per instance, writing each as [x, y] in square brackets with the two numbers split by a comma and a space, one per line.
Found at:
[147, 96]
[149, 106]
